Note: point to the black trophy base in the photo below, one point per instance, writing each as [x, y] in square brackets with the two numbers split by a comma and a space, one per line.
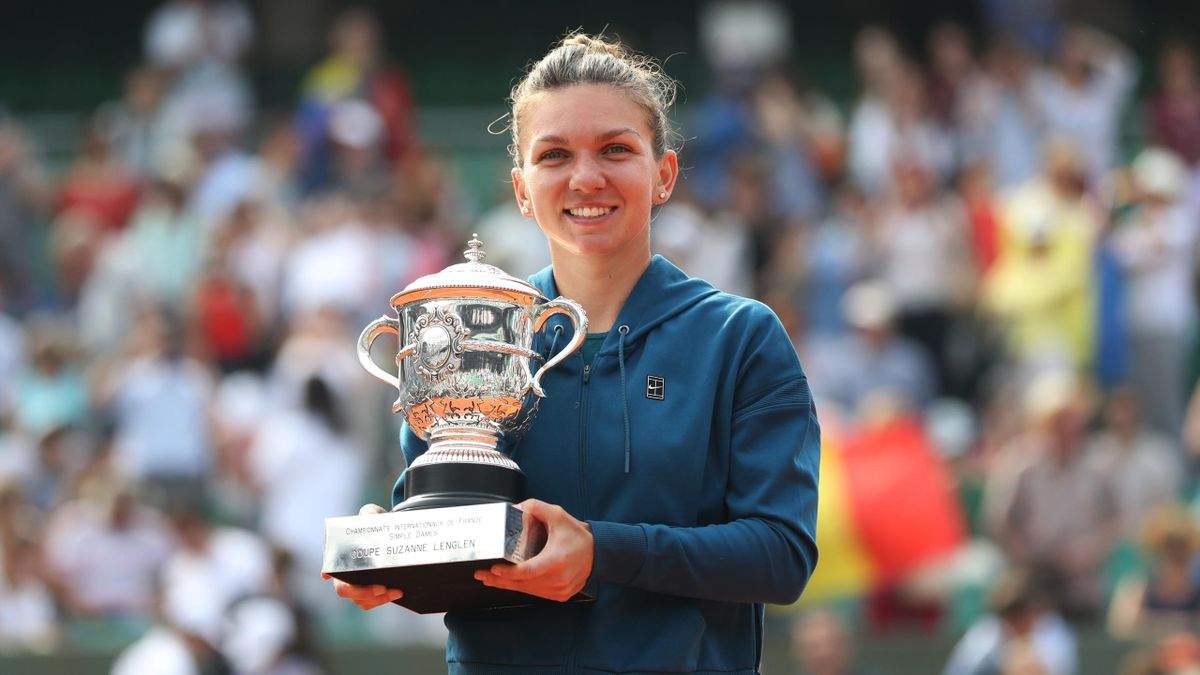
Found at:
[432, 486]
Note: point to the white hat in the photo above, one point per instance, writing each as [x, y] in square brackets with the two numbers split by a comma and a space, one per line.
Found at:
[356, 124]
[1160, 172]
[868, 305]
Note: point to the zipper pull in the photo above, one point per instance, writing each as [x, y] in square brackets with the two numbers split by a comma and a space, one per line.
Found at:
[587, 371]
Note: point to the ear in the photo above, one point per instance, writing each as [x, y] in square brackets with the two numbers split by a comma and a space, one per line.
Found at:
[522, 197]
[668, 173]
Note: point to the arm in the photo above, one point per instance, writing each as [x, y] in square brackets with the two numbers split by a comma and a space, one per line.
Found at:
[766, 550]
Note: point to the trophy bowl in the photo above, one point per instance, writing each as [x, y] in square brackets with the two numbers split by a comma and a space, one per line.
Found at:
[465, 380]
[464, 376]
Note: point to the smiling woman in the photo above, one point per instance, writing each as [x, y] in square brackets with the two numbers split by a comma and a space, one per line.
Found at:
[683, 510]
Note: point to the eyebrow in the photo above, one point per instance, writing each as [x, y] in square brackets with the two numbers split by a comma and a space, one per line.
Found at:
[602, 137]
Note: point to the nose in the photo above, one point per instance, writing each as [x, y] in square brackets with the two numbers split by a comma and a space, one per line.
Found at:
[586, 176]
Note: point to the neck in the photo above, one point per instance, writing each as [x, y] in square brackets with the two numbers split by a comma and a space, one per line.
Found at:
[601, 283]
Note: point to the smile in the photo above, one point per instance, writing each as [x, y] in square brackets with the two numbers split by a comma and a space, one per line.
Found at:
[591, 211]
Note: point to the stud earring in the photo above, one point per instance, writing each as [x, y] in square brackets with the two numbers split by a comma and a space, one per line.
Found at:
[662, 195]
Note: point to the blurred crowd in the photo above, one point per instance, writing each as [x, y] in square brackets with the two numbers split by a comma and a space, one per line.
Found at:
[992, 247]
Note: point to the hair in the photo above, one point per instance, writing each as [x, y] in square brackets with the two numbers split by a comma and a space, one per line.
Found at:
[583, 59]
[322, 402]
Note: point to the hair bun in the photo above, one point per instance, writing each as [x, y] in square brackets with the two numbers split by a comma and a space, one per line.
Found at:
[595, 44]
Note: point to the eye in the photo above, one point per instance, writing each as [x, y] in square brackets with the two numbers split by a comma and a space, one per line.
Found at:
[552, 154]
[616, 148]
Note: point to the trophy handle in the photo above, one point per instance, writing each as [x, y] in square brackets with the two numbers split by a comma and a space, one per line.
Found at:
[384, 324]
[559, 305]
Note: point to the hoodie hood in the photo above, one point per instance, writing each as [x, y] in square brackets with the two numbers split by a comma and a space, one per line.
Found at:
[662, 292]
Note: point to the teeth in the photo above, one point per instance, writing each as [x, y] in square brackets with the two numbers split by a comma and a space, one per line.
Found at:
[591, 211]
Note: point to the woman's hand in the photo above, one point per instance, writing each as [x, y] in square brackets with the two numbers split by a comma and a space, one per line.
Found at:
[366, 597]
[562, 567]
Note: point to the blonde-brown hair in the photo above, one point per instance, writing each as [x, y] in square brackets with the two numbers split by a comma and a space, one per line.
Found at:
[583, 59]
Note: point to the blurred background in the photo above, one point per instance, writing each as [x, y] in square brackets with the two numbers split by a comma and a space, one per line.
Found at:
[978, 220]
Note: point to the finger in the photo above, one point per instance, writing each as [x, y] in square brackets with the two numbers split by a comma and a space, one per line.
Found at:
[538, 565]
[326, 576]
[377, 602]
[536, 508]
[555, 592]
[368, 509]
[493, 581]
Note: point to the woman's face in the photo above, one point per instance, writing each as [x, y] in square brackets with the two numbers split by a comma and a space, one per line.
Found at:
[588, 172]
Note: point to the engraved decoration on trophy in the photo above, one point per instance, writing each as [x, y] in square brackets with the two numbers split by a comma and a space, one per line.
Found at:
[464, 382]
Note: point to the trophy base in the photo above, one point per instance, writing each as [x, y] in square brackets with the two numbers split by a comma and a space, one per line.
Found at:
[447, 484]
[432, 554]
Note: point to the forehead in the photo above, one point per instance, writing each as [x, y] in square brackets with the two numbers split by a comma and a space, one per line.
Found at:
[581, 112]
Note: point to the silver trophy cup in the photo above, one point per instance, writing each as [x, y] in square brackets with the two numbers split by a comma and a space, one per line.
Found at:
[466, 379]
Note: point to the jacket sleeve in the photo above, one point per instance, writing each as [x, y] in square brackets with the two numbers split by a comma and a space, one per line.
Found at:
[766, 550]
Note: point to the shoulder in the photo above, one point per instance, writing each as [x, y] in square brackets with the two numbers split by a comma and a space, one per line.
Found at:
[733, 315]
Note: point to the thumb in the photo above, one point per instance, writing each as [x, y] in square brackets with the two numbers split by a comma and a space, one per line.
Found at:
[368, 509]
[537, 509]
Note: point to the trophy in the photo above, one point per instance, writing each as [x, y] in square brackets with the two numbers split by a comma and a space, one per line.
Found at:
[464, 382]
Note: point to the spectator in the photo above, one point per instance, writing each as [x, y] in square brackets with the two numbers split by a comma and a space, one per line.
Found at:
[821, 645]
[24, 195]
[106, 552]
[998, 124]
[846, 371]
[896, 127]
[715, 248]
[28, 619]
[166, 650]
[915, 227]
[828, 259]
[1082, 97]
[134, 124]
[355, 69]
[98, 183]
[1039, 289]
[212, 568]
[1020, 635]
[1143, 464]
[952, 68]
[160, 401]
[1053, 512]
[160, 256]
[331, 265]
[1167, 599]
[306, 467]
[51, 392]
[1174, 111]
[266, 636]
[1155, 247]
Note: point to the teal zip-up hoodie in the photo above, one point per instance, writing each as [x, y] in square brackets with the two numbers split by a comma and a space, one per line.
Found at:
[702, 503]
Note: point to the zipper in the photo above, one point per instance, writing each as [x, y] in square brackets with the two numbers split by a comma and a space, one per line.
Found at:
[583, 402]
[583, 415]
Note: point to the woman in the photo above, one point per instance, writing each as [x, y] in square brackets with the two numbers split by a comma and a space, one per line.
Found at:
[674, 461]
[1166, 598]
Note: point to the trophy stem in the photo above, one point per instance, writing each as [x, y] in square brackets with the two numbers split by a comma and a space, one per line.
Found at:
[461, 466]
[474, 438]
